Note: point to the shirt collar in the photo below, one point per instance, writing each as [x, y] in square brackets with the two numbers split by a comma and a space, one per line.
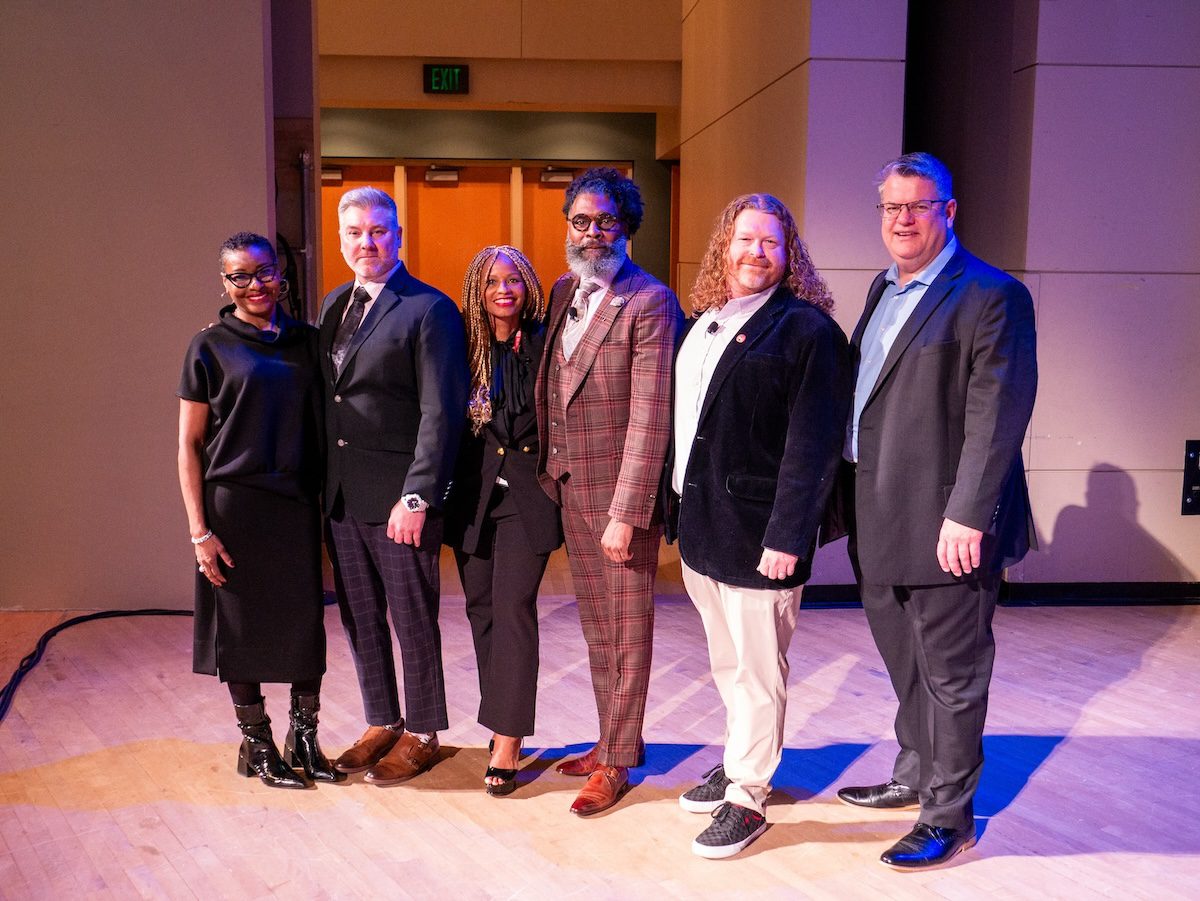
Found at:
[373, 288]
[929, 273]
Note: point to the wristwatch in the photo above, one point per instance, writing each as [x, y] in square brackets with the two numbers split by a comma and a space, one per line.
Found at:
[414, 504]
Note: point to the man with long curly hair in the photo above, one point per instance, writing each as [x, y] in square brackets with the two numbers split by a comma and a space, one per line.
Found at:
[604, 420]
[762, 390]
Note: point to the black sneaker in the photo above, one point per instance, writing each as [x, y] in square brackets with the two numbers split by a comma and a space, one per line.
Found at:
[733, 827]
[708, 796]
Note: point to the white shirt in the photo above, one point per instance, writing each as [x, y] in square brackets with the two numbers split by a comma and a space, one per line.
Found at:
[698, 356]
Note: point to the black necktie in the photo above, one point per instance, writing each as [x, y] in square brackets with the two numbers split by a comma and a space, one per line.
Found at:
[345, 331]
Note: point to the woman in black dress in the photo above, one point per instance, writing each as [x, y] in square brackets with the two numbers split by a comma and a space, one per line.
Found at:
[250, 471]
[500, 522]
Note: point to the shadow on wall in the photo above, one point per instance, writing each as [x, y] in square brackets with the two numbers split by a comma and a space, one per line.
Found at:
[1102, 540]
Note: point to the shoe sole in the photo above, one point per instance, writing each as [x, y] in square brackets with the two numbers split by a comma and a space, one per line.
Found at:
[916, 805]
[720, 852]
[398, 779]
[699, 806]
[900, 868]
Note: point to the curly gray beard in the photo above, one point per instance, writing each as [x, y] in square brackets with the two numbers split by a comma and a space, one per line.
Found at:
[604, 266]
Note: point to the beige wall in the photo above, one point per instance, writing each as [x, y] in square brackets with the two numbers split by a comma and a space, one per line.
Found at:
[135, 139]
[1113, 256]
[805, 109]
[524, 54]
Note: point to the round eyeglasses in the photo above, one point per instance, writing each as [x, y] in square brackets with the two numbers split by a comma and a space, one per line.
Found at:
[606, 222]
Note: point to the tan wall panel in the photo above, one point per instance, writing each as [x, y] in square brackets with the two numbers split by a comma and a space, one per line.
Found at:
[449, 29]
[392, 82]
[853, 128]
[740, 155]
[725, 62]
[121, 184]
[1119, 33]
[1113, 185]
[1119, 377]
[1110, 526]
[621, 30]
[858, 29]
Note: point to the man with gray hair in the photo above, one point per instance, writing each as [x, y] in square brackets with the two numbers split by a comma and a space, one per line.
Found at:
[934, 496]
[393, 352]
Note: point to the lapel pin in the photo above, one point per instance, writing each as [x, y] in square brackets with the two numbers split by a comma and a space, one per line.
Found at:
[740, 339]
[617, 302]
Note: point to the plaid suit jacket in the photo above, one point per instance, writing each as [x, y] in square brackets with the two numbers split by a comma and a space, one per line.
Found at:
[618, 412]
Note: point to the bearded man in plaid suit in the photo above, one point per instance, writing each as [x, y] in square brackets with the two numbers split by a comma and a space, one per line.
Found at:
[604, 420]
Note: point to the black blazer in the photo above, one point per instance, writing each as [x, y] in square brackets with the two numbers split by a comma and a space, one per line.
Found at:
[393, 417]
[493, 453]
[767, 446]
[940, 435]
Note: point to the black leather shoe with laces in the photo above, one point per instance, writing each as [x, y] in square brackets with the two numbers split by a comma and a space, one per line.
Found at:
[927, 847]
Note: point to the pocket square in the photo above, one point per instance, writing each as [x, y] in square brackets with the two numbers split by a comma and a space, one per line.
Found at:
[617, 302]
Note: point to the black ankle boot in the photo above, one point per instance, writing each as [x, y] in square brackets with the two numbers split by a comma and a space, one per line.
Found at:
[257, 755]
[301, 747]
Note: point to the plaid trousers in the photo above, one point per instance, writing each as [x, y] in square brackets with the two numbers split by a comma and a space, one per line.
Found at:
[616, 610]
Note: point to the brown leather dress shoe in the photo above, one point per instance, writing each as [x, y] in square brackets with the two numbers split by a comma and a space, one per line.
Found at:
[604, 788]
[583, 766]
[368, 750]
[409, 757]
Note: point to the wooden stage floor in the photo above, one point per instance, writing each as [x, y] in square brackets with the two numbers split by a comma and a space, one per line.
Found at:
[117, 772]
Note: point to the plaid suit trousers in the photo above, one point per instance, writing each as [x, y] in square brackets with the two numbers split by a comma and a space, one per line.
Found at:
[373, 575]
[616, 610]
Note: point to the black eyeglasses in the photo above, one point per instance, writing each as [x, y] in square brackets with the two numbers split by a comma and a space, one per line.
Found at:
[919, 208]
[265, 276]
[606, 222]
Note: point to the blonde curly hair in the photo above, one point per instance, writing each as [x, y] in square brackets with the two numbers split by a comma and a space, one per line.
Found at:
[479, 326]
[801, 277]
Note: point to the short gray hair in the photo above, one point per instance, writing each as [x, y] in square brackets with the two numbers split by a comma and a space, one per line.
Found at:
[919, 165]
[368, 198]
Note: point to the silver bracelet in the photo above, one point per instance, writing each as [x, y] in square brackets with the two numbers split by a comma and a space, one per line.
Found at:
[203, 538]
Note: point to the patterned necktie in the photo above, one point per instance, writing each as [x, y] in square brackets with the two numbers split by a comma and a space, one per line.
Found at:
[577, 317]
[345, 332]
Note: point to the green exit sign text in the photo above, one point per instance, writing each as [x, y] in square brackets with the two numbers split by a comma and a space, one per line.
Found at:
[447, 79]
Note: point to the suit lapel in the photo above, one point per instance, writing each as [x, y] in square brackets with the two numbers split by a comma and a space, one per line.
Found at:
[933, 297]
[328, 327]
[628, 281]
[873, 296]
[388, 298]
[758, 325]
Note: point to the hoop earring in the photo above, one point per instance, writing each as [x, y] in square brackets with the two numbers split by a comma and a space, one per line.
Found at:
[284, 288]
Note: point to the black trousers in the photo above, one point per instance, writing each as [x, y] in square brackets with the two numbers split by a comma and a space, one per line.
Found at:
[501, 582]
[374, 576]
[937, 644]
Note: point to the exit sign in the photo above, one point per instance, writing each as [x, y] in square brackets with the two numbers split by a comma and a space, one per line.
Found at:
[447, 79]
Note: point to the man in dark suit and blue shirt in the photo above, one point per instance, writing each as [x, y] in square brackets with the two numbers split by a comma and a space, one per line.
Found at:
[762, 388]
[935, 497]
[393, 352]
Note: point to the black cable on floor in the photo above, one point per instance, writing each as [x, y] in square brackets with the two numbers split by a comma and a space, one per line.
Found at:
[31, 659]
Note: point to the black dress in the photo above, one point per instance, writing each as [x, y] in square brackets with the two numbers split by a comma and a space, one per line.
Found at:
[503, 537]
[262, 476]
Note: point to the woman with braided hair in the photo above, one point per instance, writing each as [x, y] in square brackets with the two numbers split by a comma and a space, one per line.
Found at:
[499, 521]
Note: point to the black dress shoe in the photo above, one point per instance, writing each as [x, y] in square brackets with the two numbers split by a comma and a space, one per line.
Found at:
[889, 796]
[927, 847]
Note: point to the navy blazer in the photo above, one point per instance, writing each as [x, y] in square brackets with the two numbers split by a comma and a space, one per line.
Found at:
[393, 416]
[493, 453]
[941, 432]
[767, 446]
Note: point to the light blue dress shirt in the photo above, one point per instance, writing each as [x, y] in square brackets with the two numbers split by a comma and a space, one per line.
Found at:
[892, 311]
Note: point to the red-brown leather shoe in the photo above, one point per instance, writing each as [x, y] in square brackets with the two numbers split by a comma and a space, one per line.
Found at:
[409, 757]
[580, 766]
[369, 750]
[604, 788]
[583, 766]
